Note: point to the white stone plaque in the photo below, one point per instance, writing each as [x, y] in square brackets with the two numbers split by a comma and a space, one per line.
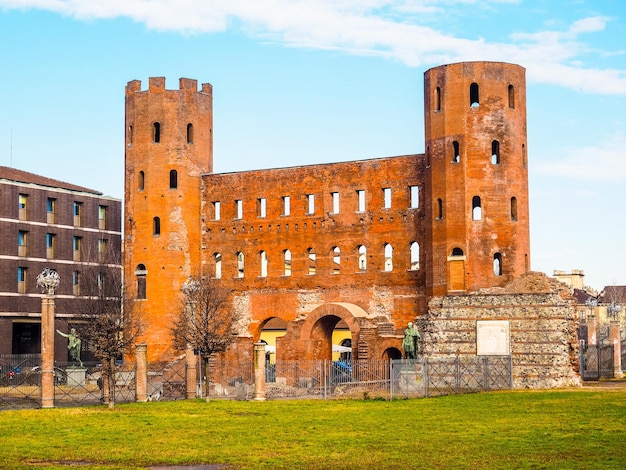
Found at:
[493, 338]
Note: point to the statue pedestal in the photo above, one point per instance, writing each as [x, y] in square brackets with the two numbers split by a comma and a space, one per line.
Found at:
[76, 376]
[410, 382]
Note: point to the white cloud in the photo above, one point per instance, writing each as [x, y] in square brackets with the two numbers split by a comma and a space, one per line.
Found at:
[366, 27]
[604, 162]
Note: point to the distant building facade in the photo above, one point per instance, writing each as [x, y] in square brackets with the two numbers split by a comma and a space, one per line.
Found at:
[47, 223]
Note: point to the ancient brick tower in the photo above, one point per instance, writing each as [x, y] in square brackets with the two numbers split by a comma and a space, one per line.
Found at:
[476, 176]
[169, 143]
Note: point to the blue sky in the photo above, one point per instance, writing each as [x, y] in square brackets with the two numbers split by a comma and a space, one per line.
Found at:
[314, 81]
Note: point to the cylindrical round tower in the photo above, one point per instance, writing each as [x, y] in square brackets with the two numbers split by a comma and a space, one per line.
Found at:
[169, 144]
[476, 176]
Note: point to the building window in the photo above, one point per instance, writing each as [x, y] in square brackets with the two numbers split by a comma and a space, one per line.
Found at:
[102, 248]
[511, 97]
[21, 280]
[336, 256]
[76, 283]
[173, 179]
[310, 204]
[50, 245]
[216, 210]
[78, 211]
[218, 265]
[456, 252]
[287, 258]
[495, 152]
[415, 256]
[190, 133]
[524, 161]
[261, 207]
[388, 249]
[76, 242]
[239, 205]
[22, 243]
[514, 209]
[312, 261]
[456, 152]
[100, 279]
[439, 209]
[497, 264]
[141, 180]
[140, 275]
[240, 264]
[51, 210]
[386, 198]
[286, 205]
[156, 132]
[361, 197]
[474, 95]
[102, 217]
[23, 206]
[130, 135]
[362, 258]
[156, 226]
[414, 197]
[263, 259]
[335, 201]
[477, 211]
[437, 99]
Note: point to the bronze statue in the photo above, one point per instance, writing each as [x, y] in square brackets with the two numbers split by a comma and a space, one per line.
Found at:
[410, 342]
[74, 344]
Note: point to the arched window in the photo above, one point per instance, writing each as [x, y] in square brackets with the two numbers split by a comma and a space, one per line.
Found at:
[437, 99]
[415, 256]
[511, 97]
[336, 265]
[287, 258]
[497, 264]
[312, 261]
[218, 265]
[362, 258]
[495, 152]
[156, 226]
[263, 262]
[156, 132]
[388, 257]
[456, 252]
[173, 179]
[514, 209]
[240, 262]
[474, 98]
[130, 135]
[456, 152]
[439, 209]
[477, 211]
[140, 276]
[190, 133]
[142, 182]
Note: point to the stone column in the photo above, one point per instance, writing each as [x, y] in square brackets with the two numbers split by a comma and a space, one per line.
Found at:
[47, 352]
[141, 377]
[259, 371]
[592, 325]
[617, 349]
[191, 376]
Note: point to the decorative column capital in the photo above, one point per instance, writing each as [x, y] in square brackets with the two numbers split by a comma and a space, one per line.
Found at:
[48, 281]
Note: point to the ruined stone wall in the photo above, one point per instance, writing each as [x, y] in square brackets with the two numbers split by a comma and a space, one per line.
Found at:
[543, 323]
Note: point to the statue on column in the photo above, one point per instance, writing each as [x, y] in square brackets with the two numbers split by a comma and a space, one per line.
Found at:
[410, 342]
[74, 344]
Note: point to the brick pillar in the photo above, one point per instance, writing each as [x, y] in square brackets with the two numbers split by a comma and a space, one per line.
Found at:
[191, 361]
[47, 352]
[141, 376]
[617, 349]
[592, 325]
[259, 371]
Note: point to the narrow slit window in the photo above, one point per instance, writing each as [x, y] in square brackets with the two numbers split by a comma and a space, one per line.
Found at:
[414, 197]
[156, 132]
[190, 133]
[239, 207]
[335, 200]
[240, 264]
[511, 97]
[388, 249]
[336, 264]
[524, 161]
[495, 152]
[156, 226]
[217, 257]
[310, 203]
[217, 208]
[141, 182]
[514, 209]
[439, 209]
[415, 256]
[386, 198]
[362, 258]
[477, 211]
[173, 179]
[497, 264]
[474, 95]
[286, 205]
[287, 261]
[130, 135]
[261, 207]
[438, 99]
[456, 153]
[140, 274]
[263, 260]
[361, 197]
[312, 261]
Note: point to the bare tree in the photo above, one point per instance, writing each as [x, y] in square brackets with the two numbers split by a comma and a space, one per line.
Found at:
[112, 325]
[206, 321]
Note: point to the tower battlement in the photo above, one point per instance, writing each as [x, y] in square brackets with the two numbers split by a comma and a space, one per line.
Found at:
[157, 85]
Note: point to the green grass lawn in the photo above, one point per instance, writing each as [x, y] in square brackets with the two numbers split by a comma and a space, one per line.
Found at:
[519, 429]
